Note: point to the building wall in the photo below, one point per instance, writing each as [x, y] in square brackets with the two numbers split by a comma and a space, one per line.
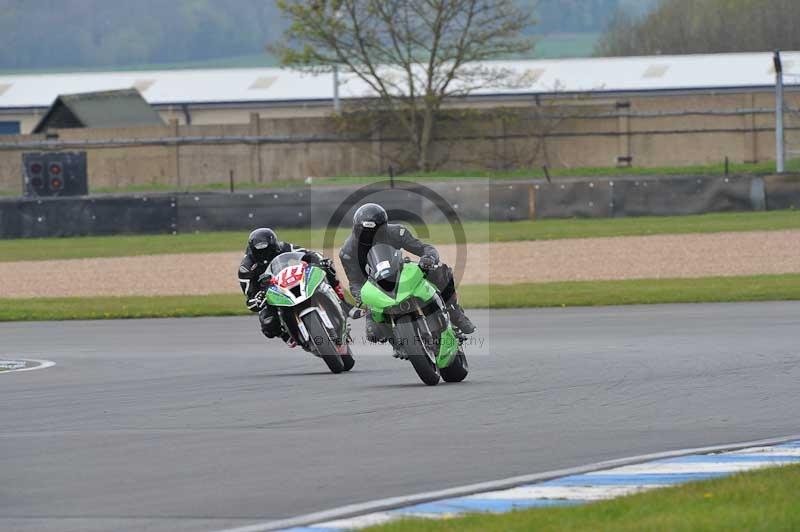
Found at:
[656, 130]
[27, 119]
[241, 116]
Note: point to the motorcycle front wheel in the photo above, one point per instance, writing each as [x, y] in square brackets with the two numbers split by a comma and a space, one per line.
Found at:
[457, 370]
[322, 343]
[419, 353]
[348, 360]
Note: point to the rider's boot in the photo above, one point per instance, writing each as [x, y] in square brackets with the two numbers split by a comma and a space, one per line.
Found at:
[348, 309]
[459, 317]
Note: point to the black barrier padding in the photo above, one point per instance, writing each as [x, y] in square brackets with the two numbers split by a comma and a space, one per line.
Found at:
[304, 208]
[134, 215]
[782, 193]
[679, 196]
[574, 199]
[10, 220]
[35, 218]
[509, 203]
[467, 201]
[337, 206]
[402, 205]
[481, 201]
[43, 218]
[216, 212]
[56, 218]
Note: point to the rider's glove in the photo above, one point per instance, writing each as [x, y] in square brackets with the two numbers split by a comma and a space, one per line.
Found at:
[356, 293]
[427, 262]
[257, 302]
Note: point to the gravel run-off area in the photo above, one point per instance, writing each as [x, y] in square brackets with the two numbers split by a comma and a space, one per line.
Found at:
[663, 256]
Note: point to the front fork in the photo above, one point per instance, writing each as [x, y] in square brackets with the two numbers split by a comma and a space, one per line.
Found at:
[336, 316]
[442, 318]
[332, 317]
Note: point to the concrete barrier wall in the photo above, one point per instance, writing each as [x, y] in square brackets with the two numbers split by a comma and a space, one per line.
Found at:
[467, 201]
[654, 130]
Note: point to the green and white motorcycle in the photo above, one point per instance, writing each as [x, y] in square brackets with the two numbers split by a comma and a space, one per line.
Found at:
[309, 309]
[398, 294]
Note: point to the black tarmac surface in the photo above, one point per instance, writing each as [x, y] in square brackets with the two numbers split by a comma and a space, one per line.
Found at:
[199, 424]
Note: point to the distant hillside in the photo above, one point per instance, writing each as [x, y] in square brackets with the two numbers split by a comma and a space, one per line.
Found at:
[705, 26]
[571, 16]
[101, 34]
[637, 7]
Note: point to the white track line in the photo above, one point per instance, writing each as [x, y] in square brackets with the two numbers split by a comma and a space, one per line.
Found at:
[363, 521]
[382, 505]
[565, 493]
[701, 467]
[42, 364]
[777, 450]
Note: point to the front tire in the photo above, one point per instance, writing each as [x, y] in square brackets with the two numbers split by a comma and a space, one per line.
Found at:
[424, 364]
[348, 360]
[457, 371]
[427, 372]
[322, 343]
[409, 341]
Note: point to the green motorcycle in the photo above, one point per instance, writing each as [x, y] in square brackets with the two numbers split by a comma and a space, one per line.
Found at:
[309, 309]
[398, 294]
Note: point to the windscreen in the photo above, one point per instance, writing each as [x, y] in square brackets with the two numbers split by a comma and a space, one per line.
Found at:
[384, 263]
[285, 259]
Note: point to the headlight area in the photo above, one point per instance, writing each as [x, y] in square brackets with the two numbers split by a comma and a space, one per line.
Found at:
[415, 305]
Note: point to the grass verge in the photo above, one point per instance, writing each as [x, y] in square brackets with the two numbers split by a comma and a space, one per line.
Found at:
[759, 500]
[717, 169]
[103, 308]
[118, 246]
[635, 292]
[567, 294]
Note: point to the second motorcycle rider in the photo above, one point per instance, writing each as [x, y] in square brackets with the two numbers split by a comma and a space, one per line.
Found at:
[371, 226]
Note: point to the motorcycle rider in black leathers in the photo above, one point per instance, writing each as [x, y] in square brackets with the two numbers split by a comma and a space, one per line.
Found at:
[263, 246]
[371, 226]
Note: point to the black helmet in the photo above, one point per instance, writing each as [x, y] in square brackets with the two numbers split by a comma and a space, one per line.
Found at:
[262, 243]
[369, 217]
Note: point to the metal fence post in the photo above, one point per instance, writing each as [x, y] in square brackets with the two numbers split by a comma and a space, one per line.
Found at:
[779, 131]
[337, 104]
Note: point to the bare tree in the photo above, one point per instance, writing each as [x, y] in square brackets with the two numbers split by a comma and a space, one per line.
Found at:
[412, 54]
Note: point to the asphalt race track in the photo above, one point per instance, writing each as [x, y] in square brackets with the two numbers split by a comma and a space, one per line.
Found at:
[198, 424]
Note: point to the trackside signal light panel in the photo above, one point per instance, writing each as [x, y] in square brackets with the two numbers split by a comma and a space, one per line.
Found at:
[48, 174]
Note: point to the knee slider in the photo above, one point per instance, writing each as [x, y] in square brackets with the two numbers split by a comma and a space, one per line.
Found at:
[375, 333]
[270, 326]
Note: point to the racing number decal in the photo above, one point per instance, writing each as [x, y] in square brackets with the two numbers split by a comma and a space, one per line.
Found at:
[290, 276]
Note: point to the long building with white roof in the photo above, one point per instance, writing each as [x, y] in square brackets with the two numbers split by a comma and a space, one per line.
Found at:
[229, 96]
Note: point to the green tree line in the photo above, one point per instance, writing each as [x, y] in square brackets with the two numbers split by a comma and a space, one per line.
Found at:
[101, 33]
[704, 26]
[572, 16]
[104, 33]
